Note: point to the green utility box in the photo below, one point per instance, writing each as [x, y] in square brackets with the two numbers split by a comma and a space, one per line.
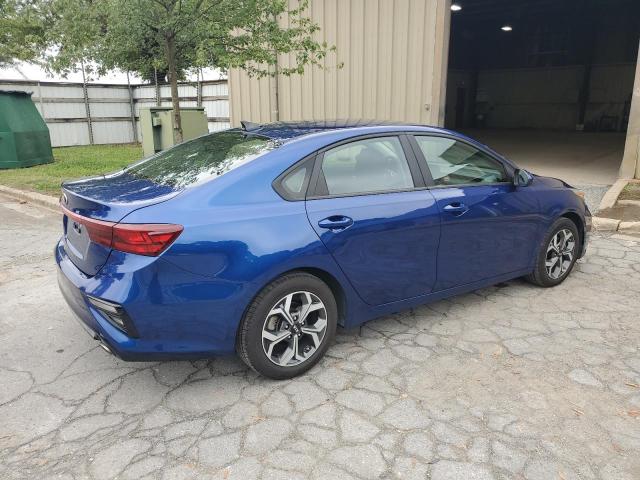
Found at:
[24, 137]
[156, 126]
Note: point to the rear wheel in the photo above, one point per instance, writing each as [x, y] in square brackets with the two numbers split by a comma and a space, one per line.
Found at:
[558, 254]
[288, 326]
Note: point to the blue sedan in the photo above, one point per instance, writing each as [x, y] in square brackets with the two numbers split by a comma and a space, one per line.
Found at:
[261, 240]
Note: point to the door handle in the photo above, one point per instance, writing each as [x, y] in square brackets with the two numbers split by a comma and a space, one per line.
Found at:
[456, 208]
[336, 222]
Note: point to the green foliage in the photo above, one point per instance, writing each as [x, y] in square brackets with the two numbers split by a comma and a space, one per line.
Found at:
[70, 163]
[172, 36]
[22, 30]
[143, 35]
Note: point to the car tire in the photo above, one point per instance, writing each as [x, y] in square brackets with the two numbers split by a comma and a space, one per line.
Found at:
[550, 270]
[282, 346]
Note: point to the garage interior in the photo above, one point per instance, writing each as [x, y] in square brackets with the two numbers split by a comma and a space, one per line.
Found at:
[547, 83]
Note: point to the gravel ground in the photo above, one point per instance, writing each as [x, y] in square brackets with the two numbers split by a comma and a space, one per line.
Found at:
[509, 382]
[593, 195]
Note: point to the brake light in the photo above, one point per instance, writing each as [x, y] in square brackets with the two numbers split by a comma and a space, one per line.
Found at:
[144, 239]
[148, 239]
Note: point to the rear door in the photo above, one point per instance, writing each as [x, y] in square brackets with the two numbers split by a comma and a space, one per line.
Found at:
[489, 227]
[367, 206]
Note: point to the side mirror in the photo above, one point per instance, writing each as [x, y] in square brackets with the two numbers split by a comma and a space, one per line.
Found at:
[522, 178]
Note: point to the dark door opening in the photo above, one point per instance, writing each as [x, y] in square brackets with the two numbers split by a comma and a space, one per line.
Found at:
[461, 94]
[548, 83]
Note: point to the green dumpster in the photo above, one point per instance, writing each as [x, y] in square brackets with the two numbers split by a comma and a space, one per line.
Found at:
[24, 137]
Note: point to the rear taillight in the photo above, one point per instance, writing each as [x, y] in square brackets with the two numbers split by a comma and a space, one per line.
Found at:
[144, 239]
[149, 239]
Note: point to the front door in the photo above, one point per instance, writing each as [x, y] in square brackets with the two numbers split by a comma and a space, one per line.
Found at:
[489, 227]
[381, 230]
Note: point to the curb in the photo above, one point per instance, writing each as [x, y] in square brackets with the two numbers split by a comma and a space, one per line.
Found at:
[610, 198]
[632, 227]
[603, 224]
[631, 203]
[32, 197]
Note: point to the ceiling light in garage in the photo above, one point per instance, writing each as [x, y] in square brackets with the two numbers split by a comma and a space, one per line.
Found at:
[456, 7]
[506, 28]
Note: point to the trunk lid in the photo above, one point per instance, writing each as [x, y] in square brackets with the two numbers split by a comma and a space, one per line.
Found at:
[107, 200]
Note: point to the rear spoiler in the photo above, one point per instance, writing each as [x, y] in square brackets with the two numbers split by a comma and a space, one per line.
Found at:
[249, 126]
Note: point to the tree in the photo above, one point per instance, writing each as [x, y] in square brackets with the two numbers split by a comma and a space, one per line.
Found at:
[21, 31]
[177, 36]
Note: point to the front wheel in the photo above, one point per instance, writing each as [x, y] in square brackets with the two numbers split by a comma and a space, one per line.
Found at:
[288, 326]
[558, 254]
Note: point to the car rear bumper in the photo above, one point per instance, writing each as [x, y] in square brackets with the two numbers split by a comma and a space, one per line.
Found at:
[161, 332]
[93, 323]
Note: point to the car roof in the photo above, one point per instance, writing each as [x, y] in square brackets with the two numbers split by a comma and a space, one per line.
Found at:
[285, 131]
[337, 130]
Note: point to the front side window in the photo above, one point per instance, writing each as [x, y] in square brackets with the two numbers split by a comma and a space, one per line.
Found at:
[455, 163]
[366, 166]
[201, 159]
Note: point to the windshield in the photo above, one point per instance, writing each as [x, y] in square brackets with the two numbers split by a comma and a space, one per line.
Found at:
[201, 159]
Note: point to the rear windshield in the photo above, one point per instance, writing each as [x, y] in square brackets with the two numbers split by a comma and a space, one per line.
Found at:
[202, 159]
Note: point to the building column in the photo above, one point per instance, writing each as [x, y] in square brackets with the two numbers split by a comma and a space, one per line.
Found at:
[630, 167]
[441, 62]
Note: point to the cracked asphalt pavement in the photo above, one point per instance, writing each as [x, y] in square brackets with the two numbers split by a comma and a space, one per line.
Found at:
[509, 382]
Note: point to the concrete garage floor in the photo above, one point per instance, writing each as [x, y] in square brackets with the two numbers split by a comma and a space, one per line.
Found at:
[509, 382]
[586, 160]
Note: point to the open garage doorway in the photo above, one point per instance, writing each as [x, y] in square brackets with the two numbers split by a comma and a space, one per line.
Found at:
[548, 83]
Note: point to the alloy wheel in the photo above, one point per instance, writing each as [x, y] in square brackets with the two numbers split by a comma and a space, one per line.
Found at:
[560, 253]
[294, 329]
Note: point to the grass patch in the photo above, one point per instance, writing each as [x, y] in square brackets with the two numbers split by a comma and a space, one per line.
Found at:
[630, 192]
[70, 163]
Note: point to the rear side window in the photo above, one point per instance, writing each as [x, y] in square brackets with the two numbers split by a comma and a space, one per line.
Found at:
[293, 185]
[202, 159]
[366, 166]
[455, 163]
